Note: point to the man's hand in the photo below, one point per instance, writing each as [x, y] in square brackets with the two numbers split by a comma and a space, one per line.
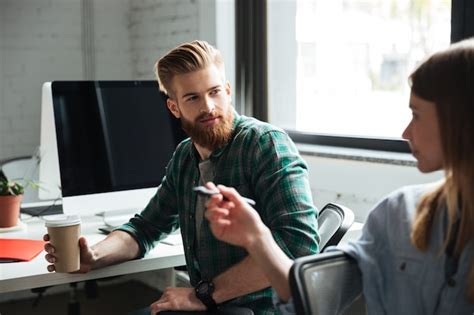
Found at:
[177, 299]
[86, 255]
[232, 220]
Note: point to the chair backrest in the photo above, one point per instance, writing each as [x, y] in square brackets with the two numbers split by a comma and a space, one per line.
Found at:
[334, 221]
[328, 283]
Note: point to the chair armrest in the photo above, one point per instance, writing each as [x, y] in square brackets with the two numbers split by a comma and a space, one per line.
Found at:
[325, 283]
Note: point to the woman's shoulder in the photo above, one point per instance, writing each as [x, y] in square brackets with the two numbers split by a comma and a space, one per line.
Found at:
[408, 197]
[415, 191]
[397, 209]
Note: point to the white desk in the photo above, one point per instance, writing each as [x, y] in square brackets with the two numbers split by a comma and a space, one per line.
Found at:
[33, 274]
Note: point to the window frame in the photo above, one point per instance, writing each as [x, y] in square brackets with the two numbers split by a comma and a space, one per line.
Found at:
[252, 67]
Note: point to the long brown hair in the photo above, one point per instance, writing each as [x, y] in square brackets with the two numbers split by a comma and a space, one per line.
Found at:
[447, 79]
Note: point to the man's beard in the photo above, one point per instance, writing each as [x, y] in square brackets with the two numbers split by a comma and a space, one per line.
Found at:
[210, 137]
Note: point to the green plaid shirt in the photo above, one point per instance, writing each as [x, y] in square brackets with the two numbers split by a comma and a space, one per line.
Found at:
[262, 163]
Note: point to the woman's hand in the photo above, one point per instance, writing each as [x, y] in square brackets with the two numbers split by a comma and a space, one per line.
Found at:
[232, 220]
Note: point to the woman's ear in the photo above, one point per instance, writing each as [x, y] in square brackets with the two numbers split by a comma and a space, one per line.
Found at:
[173, 107]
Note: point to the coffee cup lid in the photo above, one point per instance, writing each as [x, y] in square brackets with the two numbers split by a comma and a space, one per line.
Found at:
[62, 220]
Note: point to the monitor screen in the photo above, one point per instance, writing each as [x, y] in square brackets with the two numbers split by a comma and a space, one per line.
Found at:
[112, 136]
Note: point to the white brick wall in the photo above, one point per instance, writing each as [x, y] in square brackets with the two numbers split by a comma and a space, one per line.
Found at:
[3, 119]
[40, 40]
[156, 26]
[112, 40]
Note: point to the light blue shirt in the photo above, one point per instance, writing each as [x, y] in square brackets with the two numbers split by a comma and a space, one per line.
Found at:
[397, 277]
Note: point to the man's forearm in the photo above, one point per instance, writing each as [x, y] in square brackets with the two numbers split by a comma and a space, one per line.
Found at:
[243, 278]
[117, 247]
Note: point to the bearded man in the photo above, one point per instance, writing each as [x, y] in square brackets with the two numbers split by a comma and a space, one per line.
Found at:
[223, 147]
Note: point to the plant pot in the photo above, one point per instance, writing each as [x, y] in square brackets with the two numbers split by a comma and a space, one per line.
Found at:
[9, 210]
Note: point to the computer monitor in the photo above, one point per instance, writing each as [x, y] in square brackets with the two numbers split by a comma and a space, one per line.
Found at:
[105, 143]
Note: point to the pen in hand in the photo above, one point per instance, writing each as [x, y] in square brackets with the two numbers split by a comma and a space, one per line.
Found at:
[209, 192]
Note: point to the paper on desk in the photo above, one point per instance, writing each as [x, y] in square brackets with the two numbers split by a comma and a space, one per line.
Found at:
[19, 249]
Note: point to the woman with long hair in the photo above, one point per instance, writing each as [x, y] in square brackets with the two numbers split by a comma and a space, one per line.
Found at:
[416, 252]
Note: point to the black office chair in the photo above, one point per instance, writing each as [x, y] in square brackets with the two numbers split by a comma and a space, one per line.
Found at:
[334, 221]
[328, 283]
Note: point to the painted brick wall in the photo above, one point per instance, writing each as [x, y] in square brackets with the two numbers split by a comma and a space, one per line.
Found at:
[112, 40]
[39, 40]
[158, 26]
[42, 41]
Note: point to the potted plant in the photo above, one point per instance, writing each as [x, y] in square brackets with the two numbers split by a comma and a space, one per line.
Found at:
[11, 192]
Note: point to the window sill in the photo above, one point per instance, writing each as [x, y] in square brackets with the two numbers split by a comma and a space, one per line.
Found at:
[363, 155]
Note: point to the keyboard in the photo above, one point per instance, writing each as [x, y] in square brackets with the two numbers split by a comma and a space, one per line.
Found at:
[42, 210]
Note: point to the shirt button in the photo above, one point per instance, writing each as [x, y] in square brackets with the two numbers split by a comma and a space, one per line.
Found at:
[403, 266]
[451, 282]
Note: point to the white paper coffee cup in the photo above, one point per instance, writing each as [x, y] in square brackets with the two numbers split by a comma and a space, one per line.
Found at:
[64, 232]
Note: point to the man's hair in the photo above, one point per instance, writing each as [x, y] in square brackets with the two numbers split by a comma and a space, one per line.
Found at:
[185, 58]
[447, 79]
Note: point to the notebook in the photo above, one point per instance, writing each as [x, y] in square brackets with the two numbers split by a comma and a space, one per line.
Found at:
[13, 250]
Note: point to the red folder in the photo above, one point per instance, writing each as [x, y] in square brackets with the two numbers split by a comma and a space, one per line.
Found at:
[19, 249]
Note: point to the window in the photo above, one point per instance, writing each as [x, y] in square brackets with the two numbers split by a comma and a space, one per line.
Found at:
[340, 67]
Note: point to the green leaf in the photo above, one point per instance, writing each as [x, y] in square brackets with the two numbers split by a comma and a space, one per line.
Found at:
[12, 188]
